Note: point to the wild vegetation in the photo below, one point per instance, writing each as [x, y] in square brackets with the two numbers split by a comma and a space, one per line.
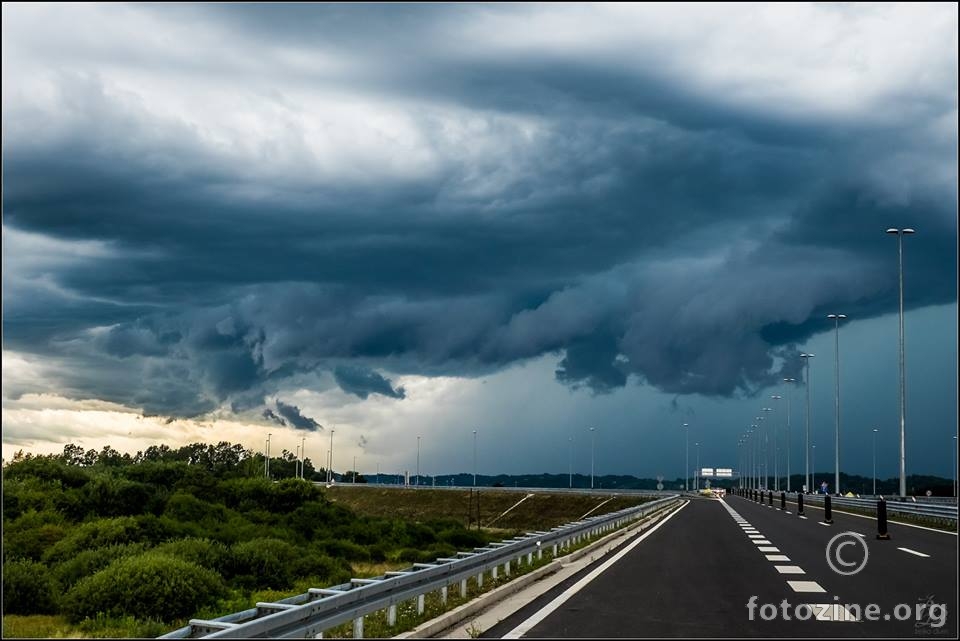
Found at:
[108, 544]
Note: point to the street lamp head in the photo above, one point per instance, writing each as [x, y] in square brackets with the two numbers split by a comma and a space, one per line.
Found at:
[776, 397]
[807, 355]
[875, 430]
[907, 231]
[789, 380]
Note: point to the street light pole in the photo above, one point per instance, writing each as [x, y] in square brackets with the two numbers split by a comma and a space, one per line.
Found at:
[954, 448]
[875, 430]
[474, 458]
[303, 457]
[266, 458]
[806, 446]
[813, 461]
[418, 460]
[776, 452]
[903, 395]
[696, 481]
[686, 461]
[570, 459]
[788, 380]
[836, 318]
[330, 467]
[592, 448]
[766, 448]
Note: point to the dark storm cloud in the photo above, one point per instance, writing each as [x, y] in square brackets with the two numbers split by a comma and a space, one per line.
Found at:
[362, 382]
[269, 414]
[293, 416]
[642, 229]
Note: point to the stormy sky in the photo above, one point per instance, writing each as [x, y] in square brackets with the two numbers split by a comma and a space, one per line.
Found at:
[395, 220]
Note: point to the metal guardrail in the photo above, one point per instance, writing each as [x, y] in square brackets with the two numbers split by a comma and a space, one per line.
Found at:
[894, 506]
[490, 488]
[309, 614]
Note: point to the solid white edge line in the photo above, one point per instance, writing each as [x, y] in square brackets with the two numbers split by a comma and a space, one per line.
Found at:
[909, 551]
[548, 609]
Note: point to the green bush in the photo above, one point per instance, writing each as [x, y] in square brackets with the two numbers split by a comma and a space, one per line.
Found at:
[263, 563]
[32, 533]
[28, 588]
[462, 538]
[150, 585]
[184, 507]
[326, 570]
[418, 555]
[88, 562]
[94, 534]
[212, 555]
[343, 549]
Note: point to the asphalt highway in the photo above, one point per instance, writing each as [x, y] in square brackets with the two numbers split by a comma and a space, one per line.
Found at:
[697, 572]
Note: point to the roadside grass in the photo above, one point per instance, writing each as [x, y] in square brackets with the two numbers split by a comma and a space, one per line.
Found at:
[42, 626]
[539, 512]
[375, 625]
[542, 511]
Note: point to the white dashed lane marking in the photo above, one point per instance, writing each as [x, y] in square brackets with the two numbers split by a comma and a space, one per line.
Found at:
[909, 551]
[777, 557]
[805, 586]
[789, 569]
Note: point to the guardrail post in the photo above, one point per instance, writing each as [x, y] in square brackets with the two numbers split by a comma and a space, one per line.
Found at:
[494, 572]
[882, 520]
[827, 509]
[554, 550]
[480, 580]
[506, 568]
[529, 558]
[420, 604]
[443, 595]
[799, 503]
[783, 500]
[358, 628]
[463, 589]
[392, 616]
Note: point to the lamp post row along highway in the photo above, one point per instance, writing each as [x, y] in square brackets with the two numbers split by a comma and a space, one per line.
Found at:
[788, 380]
[836, 318]
[806, 448]
[903, 400]
[776, 452]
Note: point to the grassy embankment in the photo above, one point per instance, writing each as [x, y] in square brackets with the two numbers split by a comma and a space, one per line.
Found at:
[540, 511]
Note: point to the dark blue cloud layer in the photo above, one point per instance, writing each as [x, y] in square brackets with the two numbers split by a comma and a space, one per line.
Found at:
[646, 232]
